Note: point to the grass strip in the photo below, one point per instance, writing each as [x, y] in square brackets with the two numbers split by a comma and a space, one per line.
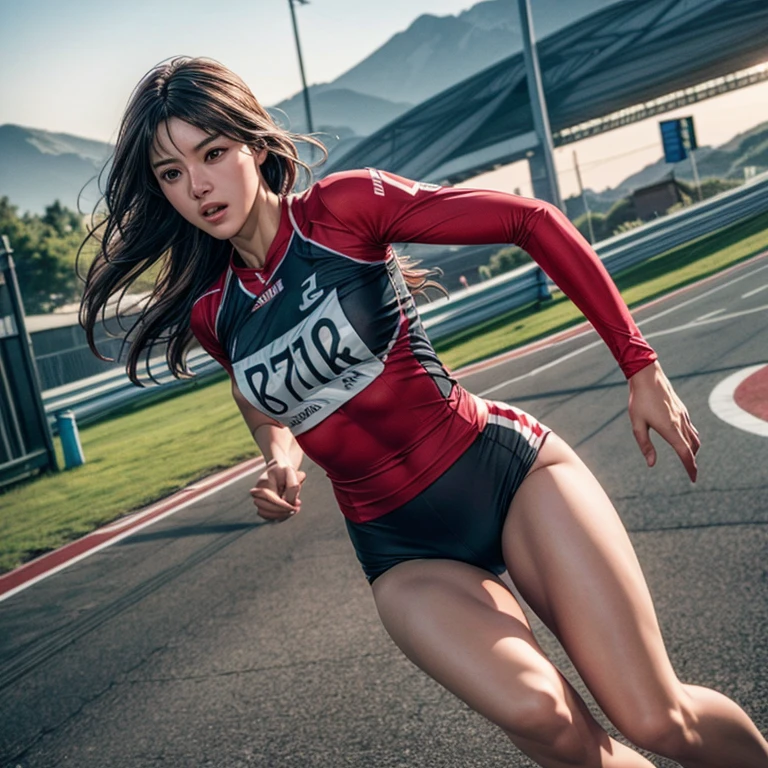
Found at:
[145, 453]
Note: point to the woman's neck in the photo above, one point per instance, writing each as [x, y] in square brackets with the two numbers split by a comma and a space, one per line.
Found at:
[253, 241]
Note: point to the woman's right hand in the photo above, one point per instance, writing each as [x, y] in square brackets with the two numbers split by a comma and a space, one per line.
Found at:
[276, 493]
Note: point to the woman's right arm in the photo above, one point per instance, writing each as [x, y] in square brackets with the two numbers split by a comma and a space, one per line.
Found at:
[276, 493]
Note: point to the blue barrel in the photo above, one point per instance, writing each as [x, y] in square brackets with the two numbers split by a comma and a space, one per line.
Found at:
[70, 439]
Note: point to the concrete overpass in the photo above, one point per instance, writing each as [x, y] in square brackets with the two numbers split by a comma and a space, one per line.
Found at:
[625, 63]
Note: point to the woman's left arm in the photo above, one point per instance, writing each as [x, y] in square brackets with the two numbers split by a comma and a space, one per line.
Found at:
[382, 208]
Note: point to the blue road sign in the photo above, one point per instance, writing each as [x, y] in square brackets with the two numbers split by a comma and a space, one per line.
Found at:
[678, 137]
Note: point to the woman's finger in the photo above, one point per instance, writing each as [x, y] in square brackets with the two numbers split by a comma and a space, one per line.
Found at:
[293, 481]
[267, 499]
[643, 437]
[686, 453]
[693, 433]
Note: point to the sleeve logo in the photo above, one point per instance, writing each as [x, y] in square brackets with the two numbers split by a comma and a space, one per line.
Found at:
[379, 179]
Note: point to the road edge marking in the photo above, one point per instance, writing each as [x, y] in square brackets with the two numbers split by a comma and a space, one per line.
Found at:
[723, 403]
[46, 565]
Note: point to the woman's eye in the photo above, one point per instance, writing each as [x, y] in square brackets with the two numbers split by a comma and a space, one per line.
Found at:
[215, 153]
[171, 174]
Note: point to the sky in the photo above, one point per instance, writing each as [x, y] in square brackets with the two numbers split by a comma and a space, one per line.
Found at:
[70, 67]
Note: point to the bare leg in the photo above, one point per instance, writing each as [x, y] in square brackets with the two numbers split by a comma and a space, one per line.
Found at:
[464, 628]
[572, 560]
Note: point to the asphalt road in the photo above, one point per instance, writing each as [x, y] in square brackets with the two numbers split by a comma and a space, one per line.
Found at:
[211, 639]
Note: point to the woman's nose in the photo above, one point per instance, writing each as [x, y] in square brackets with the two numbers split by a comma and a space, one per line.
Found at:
[199, 186]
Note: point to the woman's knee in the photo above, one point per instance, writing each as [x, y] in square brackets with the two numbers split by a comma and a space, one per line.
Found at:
[540, 714]
[667, 730]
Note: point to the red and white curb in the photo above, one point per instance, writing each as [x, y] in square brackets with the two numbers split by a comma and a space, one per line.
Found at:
[741, 400]
[52, 562]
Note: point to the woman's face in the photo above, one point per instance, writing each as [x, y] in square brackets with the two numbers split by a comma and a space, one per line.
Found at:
[212, 181]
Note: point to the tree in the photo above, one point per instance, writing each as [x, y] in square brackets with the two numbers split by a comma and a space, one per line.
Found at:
[503, 260]
[44, 251]
[598, 225]
[61, 219]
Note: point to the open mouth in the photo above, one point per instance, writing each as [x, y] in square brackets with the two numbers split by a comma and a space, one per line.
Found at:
[213, 210]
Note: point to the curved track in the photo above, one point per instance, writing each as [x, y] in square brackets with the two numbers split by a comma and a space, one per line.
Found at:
[212, 639]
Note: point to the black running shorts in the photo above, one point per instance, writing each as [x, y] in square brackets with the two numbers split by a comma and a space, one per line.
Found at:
[461, 515]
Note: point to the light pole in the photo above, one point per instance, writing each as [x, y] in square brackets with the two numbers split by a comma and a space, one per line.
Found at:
[310, 129]
[546, 186]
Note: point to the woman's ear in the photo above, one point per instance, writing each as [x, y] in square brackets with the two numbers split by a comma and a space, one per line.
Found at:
[261, 156]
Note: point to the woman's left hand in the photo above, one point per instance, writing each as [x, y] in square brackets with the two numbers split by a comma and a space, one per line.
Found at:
[653, 404]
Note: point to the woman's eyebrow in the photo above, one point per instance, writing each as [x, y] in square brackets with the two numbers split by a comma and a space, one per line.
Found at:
[197, 147]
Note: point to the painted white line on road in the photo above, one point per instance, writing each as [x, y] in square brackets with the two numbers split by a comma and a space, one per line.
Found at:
[477, 368]
[756, 290]
[723, 404]
[708, 315]
[710, 321]
[703, 320]
[700, 296]
[541, 368]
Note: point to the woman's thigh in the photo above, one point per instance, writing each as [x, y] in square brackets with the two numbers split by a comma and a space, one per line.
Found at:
[569, 555]
[462, 626]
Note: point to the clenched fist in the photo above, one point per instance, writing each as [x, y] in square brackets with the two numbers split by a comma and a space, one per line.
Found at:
[276, 493]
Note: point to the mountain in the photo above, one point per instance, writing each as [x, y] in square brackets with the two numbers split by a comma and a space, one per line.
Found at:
[362, 114]
[434, 53]
[38, 167]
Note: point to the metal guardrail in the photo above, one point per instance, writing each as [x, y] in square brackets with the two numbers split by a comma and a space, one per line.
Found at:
[99, 395]
[472, 306]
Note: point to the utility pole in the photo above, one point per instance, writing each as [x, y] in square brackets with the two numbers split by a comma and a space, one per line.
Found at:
[543, 172]
[584, 198]
[310, 128]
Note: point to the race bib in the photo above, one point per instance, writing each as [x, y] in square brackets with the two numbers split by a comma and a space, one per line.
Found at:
[306, 374]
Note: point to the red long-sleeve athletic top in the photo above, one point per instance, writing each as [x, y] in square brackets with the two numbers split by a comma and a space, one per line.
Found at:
[325, 338]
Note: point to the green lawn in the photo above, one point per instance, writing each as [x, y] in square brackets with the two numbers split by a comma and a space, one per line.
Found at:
[145, 454]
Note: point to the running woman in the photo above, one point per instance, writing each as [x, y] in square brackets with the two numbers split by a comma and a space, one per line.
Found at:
[302, 299]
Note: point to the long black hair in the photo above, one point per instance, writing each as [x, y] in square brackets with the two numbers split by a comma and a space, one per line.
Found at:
[141, 228]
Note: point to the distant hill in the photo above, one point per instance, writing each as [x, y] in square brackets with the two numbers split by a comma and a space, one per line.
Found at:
[338, 111]
[725, 162]
[749, 148]
[434, 53]
[38, 167]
